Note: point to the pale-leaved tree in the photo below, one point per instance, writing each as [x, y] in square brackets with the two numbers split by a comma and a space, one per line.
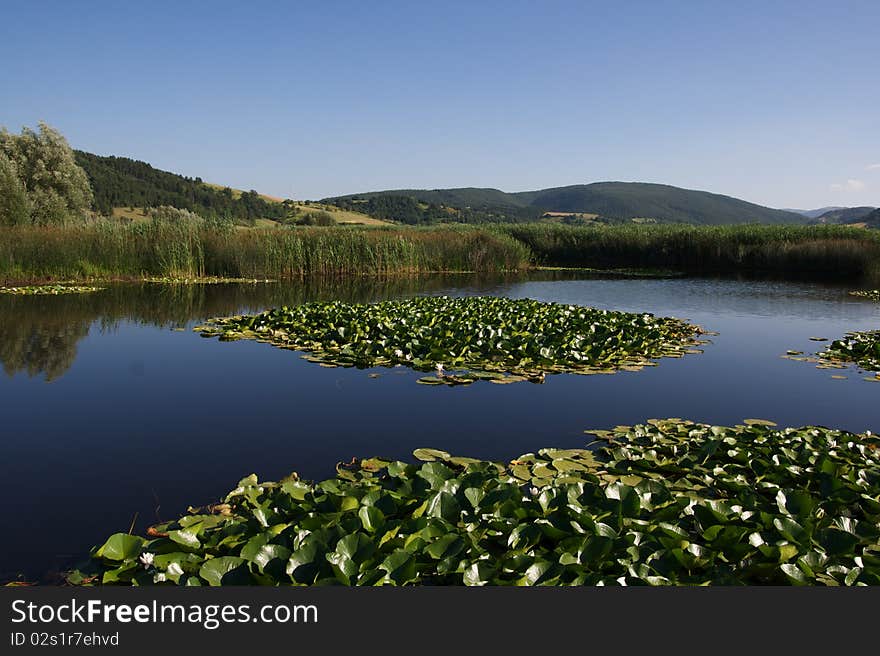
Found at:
[56, 188]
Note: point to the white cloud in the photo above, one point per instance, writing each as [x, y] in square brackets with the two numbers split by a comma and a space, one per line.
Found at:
[873, 167]
[849, 185]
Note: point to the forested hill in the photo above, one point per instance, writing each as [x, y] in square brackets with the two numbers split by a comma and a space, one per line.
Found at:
[845, 215]
[124, 182]
[615, 201]
[872, 220]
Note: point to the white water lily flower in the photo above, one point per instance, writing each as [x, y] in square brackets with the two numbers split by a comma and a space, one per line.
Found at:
[439, 369]
[175, 569]
[146, 559]
[159, 577]
[398, 353]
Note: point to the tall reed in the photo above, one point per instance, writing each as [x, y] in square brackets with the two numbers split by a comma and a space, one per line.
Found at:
[189, 249]
[832, 251]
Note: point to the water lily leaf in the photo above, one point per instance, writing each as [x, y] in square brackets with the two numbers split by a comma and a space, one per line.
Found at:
[400, 567]
[444, 505]
[539, 572]
[356, 547]
[445, 547]
[303, 564]
[185, 538]
[429, 455]
[478, 573]
[794, 574]
[221, 570]
[371, 518]
[121, 546]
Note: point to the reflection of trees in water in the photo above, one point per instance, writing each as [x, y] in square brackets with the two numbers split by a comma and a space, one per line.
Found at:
[40, 334]
[38, 344]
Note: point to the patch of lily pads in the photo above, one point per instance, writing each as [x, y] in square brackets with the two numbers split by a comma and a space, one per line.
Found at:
[870, 294]
[860, 348]
[49, 290]
[668, 502]
[468, 339]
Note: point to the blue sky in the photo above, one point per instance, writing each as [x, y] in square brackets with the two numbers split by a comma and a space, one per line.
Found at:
[774, 102]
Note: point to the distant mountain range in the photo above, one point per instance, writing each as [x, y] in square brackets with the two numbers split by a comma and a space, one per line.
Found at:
[614, 201]
[123, 182]
[834, 214]
[845, 215]
[814, 214]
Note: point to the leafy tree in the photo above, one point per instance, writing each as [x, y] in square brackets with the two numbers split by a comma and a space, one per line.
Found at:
[57, 188]
[168, 213]
[317, 219]
[15, 209]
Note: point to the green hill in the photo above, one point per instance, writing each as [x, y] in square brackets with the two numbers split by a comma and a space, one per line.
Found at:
[123, 182]
[845, 215]
[872, 220]
[610, 201]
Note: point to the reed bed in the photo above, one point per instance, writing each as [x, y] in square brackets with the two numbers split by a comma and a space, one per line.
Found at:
[830, 251]
[186, 249]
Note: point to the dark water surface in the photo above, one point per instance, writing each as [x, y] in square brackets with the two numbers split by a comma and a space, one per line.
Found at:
[111, 413]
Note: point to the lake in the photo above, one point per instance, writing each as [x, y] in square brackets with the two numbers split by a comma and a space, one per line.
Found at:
[114, 413]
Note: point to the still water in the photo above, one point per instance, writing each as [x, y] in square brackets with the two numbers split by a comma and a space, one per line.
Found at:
[113, 412]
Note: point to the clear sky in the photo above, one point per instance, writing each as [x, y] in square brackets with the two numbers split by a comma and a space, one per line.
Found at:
[774, 102]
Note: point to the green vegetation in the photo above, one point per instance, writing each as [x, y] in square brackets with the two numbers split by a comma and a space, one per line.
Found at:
[872, 220]
[40, 183]
[414, 210]
[669, 502]
[197, 248]
[615, 201]
[845, 215]
[185, 249]
[830, 251]
[124, 182]
[317, 218]
[861, 348]
[870, 294]
[51, 290]
[478, 338]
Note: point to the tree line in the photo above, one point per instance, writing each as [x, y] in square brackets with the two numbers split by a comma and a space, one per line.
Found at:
[409, 210]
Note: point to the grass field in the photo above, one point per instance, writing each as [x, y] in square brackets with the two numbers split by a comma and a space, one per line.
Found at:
[131, 213]
[236, 193]
[341, 216]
